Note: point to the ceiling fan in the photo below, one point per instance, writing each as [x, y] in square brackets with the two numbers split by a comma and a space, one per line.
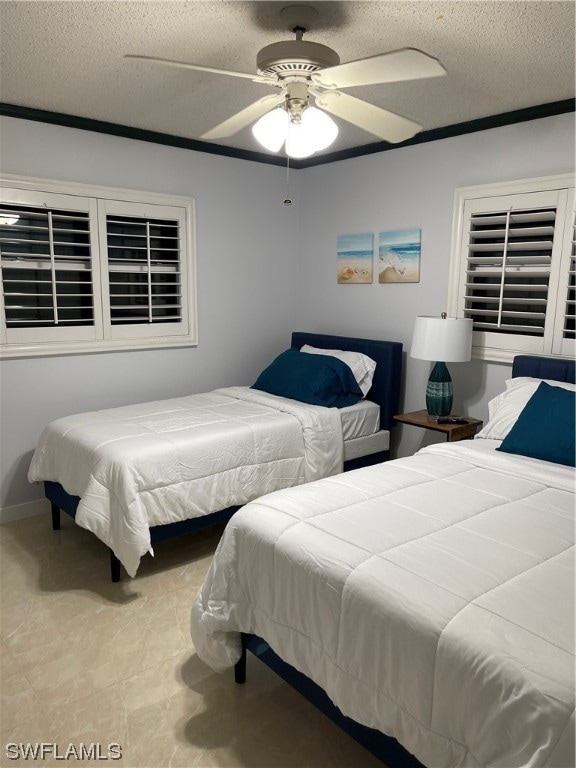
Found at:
[301, 69]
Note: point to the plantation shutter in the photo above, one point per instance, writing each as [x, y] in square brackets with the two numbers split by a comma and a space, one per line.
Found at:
[569, 331]
[508, 270]
[91, 269]
[565, 335]
[511, 249]
[146, 269]
[46, 260]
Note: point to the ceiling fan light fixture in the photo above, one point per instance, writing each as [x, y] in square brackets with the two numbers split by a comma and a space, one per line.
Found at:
[299, 142]
[314, 132]
[321, 126]
[271, 130]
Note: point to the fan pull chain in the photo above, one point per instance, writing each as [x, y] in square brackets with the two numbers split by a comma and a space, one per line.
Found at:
[287, 200]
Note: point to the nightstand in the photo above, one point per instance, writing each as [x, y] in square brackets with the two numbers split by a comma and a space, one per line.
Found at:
[453, 432]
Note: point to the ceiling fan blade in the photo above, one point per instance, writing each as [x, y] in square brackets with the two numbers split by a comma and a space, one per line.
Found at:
[241, 119]
[200, 68]
[386, 125]
[405, 64]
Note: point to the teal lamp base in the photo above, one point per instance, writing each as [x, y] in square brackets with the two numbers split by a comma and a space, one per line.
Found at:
[439, 391]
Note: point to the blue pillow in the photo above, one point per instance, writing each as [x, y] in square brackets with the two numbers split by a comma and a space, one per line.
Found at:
[546, 427]
[314, 379]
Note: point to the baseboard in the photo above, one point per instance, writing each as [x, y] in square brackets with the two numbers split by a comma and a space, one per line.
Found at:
[22, 511]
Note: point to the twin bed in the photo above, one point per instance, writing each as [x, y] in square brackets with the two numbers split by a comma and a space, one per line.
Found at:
[427, 602]
[139, 474]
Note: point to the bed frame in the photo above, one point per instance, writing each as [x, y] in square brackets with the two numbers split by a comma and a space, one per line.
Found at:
[385, 748]
[555, 368]
[385, 391]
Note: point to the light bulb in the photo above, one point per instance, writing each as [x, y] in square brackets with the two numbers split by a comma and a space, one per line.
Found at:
[272, 128]
[319, 125]
[300, 142]
[315, 131]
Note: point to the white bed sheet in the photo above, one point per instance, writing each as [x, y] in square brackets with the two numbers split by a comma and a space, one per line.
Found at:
[157, 463]
[431, 597]
[360, 420]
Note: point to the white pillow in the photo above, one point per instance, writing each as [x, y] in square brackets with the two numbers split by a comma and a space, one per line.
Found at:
[521, 381]
[362, 366]
[504, 409]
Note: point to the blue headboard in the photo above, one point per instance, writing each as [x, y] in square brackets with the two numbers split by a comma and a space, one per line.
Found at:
[556, 368]
[387, 376]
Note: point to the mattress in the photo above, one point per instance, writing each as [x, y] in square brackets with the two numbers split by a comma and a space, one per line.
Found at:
[431, 597]
[360, 420]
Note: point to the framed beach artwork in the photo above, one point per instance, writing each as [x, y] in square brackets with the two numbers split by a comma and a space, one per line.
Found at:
[399, 256]
[354, 257]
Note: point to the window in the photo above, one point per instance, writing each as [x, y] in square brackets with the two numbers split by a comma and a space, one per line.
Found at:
[92, 269]
[568, 317]
[512, 267]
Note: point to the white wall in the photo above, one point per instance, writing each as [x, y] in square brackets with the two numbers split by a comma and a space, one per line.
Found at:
[413, 187]
[247, 282]
[265, 269]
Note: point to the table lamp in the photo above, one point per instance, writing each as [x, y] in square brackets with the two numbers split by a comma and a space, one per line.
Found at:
[443, 340]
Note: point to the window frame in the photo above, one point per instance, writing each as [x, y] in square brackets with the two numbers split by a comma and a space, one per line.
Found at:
[502, 347]
[103, 335]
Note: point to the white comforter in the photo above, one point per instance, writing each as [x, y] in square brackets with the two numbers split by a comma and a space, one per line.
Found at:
[431, 597]
[157, 463]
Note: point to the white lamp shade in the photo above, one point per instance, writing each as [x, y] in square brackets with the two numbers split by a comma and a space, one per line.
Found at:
[448, 340]
[272, 129]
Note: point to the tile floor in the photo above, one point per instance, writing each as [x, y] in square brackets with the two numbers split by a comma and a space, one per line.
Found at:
[86, 661]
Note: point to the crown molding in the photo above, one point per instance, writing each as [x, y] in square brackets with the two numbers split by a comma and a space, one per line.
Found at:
[139, 134]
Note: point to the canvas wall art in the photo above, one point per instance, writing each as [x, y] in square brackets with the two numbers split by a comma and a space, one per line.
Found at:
[355, 258]
[399, 256]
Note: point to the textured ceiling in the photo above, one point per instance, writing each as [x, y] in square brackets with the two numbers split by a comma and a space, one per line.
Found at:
[68, 57]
